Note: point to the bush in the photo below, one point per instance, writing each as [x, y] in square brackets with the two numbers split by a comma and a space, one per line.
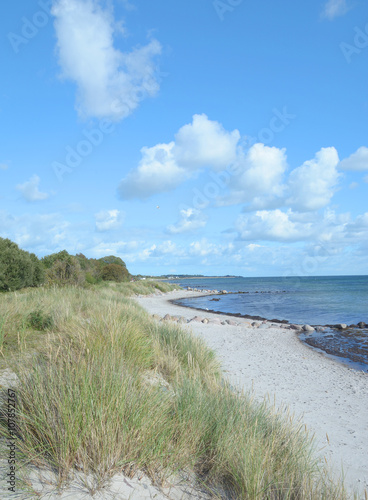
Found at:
[18, 268]
[50, 260]
[40, 321]
[65, 272]
[114, 272]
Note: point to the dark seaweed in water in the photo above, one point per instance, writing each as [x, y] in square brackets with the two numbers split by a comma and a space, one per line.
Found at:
[350, 345]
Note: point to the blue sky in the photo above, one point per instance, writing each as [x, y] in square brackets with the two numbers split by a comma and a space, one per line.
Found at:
[211, 137]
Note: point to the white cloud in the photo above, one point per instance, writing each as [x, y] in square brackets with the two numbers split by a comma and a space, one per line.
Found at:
[205, 143]
[40, 231]
[157, 172]
[358, 161]
[30, 190]
[190, 220]
[253, 246]
[202, 143]
[167, 248]
[110, 83]
[334, 8]
[108, 220]
[203, 248]
[359, 226]
[272, 225]
[4, 166]
[313, 184]
[258, 177]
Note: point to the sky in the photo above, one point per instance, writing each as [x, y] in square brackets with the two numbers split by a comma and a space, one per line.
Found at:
[209, 137]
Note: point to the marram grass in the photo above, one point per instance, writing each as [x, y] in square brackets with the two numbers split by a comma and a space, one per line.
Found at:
[86, 401]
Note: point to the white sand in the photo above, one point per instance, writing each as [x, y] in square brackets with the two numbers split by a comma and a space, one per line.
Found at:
[331, 398]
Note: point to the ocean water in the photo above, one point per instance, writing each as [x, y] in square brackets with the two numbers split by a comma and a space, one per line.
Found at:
[326, 300]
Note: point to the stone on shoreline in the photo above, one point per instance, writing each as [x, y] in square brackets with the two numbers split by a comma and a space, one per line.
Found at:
[156, 316]
[214, 321]
[198, 319]
[341, 326]
[308, 328]
[295, 327]
[361, 324]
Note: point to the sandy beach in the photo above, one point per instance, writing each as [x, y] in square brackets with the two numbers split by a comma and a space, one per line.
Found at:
[270, 360]
[266, 359]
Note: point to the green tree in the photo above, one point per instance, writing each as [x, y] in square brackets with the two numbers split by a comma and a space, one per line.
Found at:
[114, 272]
[65, 271]
[18, 268]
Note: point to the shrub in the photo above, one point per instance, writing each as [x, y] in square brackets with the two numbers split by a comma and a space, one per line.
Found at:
[18, 268]
[114, 272]
[40, 321]
[65, 272]
[50, 260]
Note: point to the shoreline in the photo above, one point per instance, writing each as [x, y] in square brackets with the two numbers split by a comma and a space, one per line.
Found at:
[271, 362]
[352, 361]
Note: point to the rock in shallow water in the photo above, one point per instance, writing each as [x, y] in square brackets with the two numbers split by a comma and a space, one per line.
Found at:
[341, 326]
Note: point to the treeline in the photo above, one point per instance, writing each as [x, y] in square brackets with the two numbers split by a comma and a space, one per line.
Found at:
[21, 269]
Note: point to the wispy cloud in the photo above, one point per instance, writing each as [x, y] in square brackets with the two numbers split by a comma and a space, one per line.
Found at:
[190, 220]
[111, 83]
[108, 220]
[334, 8]
[358, 161]
[30, 191]
[4, 166]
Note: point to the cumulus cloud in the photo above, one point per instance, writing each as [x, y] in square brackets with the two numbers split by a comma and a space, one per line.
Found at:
[257, 177]
[30, 191]
[358, 161]
[190, 220]
[110, 83]
[202, 143]
[313, 184]
[157, 172]
[334, 8]
[205, 143]
[108, 220]
[272, 225]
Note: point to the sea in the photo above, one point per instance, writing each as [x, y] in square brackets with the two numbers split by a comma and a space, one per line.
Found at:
[317, 301]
